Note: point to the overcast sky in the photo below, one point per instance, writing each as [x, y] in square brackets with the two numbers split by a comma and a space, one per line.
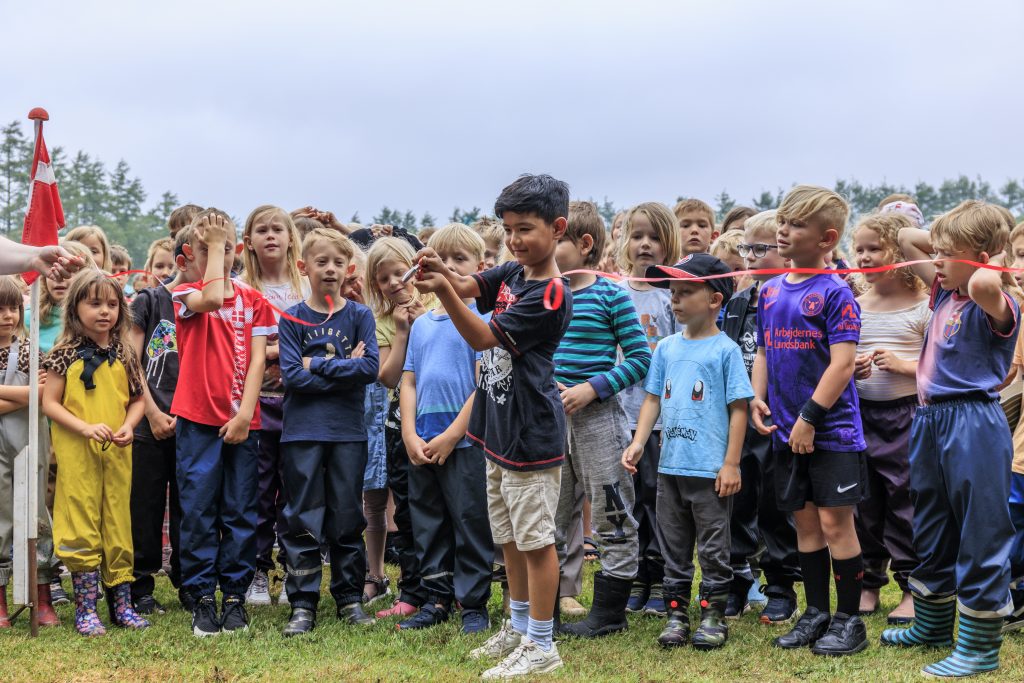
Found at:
[428, 105]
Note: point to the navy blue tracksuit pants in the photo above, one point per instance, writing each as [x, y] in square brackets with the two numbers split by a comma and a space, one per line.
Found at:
[217, 486]
[450, 529]
[324, 506]
[960, 454]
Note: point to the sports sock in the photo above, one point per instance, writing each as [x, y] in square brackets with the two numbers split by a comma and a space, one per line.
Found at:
[540, 633]
[520, 615]
[816, 568]
[849, 575]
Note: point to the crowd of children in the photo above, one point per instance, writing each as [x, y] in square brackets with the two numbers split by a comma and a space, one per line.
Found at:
[493, 396]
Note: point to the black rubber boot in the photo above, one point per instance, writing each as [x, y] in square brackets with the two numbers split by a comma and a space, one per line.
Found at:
[608, 613]
[677, 629]
[713, 631]
[301, 621]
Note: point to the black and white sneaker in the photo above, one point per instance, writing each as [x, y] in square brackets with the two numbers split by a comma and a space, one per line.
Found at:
[204, 618]
[58, 596]
[233, 615]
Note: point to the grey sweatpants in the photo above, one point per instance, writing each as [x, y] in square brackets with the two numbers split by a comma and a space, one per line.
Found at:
[689, 512]
[596, 437]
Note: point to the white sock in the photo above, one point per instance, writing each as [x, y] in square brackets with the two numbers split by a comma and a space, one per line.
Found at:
[540, 632]
[520, 615]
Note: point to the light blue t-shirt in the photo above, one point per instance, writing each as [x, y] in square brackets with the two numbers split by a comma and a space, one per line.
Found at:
[445, 367]
[696, 379]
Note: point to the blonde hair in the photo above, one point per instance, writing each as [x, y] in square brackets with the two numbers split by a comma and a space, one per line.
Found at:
[306, 225]
[584, 219]
[727, 243]
[491, 229]
[11, 295]
[805, 202]
[887, 226]
[82, 286]
[252, 273]
[459, 236]
[897, 197]
[1015, 234]
[86, 231]
[694, 206]
[665, 227]
[337, 240]
[385, 249]
[973, 225]
[765, 223]
[162, 244]
[47, 304]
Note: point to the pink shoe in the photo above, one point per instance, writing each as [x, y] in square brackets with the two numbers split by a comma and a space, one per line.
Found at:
[399, 609]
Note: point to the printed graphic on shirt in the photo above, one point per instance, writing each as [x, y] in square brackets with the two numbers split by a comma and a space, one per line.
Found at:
[698, 391]
[668, 389]
[812, 304]
[161, 344]
[496, 363]
[748, 348]
[952, 325]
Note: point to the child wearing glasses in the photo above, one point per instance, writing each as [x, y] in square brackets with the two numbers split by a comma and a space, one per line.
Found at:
[754, 513]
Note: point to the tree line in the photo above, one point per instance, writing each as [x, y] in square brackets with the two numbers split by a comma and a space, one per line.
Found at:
[115, 199]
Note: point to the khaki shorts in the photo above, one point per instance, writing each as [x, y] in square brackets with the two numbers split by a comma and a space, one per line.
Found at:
[521, 506]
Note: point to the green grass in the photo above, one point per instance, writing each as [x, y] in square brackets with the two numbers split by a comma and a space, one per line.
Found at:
[168, 651]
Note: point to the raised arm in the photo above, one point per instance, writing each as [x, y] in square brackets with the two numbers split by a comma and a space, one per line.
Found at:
[917, 245]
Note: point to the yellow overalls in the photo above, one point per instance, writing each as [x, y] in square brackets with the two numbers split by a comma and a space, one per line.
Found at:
[92, 526]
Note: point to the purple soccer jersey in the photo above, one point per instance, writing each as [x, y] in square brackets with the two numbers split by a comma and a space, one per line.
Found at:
[796, 325]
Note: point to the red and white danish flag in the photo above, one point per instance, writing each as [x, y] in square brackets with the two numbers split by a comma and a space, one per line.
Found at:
[45, 214]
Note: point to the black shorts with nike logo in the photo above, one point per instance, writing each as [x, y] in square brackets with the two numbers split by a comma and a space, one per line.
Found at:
[828, 479]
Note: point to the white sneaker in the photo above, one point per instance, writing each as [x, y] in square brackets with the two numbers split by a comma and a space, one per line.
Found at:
[500, 644]
[259, 590]
[526, 660]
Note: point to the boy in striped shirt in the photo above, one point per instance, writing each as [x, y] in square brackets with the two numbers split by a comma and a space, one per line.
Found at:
[597, 430]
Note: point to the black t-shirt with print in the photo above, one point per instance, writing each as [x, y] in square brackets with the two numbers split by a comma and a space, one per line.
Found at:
[517, 416]
[153, 311]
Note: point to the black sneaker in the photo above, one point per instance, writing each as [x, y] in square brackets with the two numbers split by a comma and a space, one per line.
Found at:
[188, 603]
[233, 615]
[846, 635]
[301, 621]
[475, 621]
[811, 626]
[429, 615]
[147, 604]
[204, 617]
[781, 607]
[736, 606]
[353, 614]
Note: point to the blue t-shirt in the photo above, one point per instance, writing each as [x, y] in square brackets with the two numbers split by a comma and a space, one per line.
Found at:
[445, 367]
[696, 380]
[325, 403]
[796, 325]
[963, 356]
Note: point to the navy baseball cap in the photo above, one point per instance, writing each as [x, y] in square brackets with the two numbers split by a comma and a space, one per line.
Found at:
[696, 265]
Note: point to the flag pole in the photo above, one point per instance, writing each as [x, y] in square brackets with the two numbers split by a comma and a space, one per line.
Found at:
[37, 116]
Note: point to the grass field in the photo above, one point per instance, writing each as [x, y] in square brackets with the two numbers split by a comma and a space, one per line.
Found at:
[168, 652]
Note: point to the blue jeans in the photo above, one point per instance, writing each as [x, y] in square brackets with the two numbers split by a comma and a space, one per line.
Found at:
[217, 484]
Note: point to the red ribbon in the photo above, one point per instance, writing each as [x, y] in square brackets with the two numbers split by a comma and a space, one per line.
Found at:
[283, 314]
[553, 301]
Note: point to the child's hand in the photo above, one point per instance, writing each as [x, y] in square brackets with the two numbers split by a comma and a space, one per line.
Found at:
[406, 314]
[213, 230]
[98, 432]
[758, 412]
[801, 439]
[862, 365]
[441, 446]
[418, 451]
[379, 230]
[578, 397]
[306, 360]
[429, 262]
[123, 436]
[727, 482]
[631, 456]
[162, 425]
[359, 351]
[887, 360]
[235, 431]
[42, 381]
